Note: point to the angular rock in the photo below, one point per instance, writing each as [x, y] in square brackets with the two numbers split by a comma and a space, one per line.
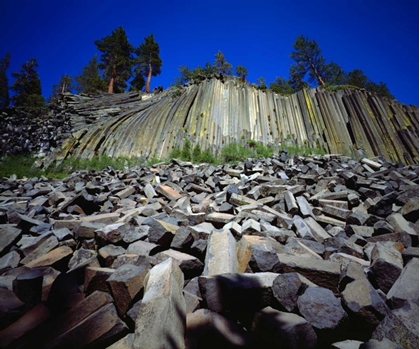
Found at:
[28, 287]
[161, 320]
[57, 256]
[287, 288]
[401, 326]
[237, 294]
[43, 248]
[9, 234]
[365, 305]
[386, 265]
[161, 232]
[406, 287]
[82, 258]
[206, 326]
[321, 308]
[279, 329]
[109, 254]
[322, 273]
[221, 255]
[95, 279]
[125, 283]
[190, 265]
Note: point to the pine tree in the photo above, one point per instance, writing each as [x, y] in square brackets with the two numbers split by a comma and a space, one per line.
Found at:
[116, 59]
[242, 72]
[308, 60]
[27, 86]
[64, 85]
[222, 66]
[4, 81]
[281, 86]
[148, 62]
[89, 81]
[335, 75]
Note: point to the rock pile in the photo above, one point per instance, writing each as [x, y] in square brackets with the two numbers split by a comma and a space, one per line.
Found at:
[283, 252]
[32, 131]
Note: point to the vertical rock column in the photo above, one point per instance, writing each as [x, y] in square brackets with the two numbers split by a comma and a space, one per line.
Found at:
[161, 320]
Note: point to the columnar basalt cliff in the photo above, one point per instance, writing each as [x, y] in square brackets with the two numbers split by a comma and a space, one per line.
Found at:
[216, 112]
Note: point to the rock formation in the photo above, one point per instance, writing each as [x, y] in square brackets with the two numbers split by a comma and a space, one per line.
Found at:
[289, 252]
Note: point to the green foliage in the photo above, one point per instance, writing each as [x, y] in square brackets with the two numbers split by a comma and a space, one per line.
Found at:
[234, 152]
[116, 59]
[308, 60]
[304, 151]
[221, 65]
[261, 84]
[281, 86]
[27, 86]
[186, 151]
[242, 72]
[175, 153]
[148, 62]
[197, 74]
[4, 81]
[137, 83]
[89, 81]
[207, 156]
[359, 79]
[335, 75]
[64, 85]
[196, 152]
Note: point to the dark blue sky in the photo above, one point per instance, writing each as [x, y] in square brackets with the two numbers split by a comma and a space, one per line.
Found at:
[380, 37]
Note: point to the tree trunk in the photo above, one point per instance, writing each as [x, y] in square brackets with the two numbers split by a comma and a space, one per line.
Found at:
[318, 76]
[149, 77]
[111, 85]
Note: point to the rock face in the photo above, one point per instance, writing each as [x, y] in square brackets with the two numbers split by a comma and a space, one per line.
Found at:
[216, 112]
[141, 258]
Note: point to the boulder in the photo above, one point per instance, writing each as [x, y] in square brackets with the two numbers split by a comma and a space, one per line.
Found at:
[161, 319]
[279, 329]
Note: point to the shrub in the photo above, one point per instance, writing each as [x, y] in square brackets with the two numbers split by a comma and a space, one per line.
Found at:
[186, 151]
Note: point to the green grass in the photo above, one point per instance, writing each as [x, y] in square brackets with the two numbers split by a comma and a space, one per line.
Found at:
[303, 151]
[23, 165]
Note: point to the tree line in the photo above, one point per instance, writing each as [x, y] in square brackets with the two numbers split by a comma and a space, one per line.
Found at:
[118, 63]
[309, 69]
[122, 66]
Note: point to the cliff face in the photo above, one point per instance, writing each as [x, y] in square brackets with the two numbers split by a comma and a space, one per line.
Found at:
[214, 113]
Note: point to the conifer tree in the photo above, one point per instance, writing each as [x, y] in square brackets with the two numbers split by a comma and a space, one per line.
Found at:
[148, 62]
[4, 81]
[308, 60]
[281, 86]
[242, 72]
[64, 85]
[89, 81]
[116, 59]
[27, 86]
[221, 65]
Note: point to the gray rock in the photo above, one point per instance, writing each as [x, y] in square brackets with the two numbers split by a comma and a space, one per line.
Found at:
[240, 294]
[364, 303]
[386, 265]
[221, 254]
[125, 283]
[406, 287]
[288, 287]
[321, 308]
[279, 329]
[382, 344]
[161, 319]
[322, 273]
[9, 234]
[401, 326]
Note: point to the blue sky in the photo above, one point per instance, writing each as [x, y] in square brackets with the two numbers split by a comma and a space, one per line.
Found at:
[380, 37]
